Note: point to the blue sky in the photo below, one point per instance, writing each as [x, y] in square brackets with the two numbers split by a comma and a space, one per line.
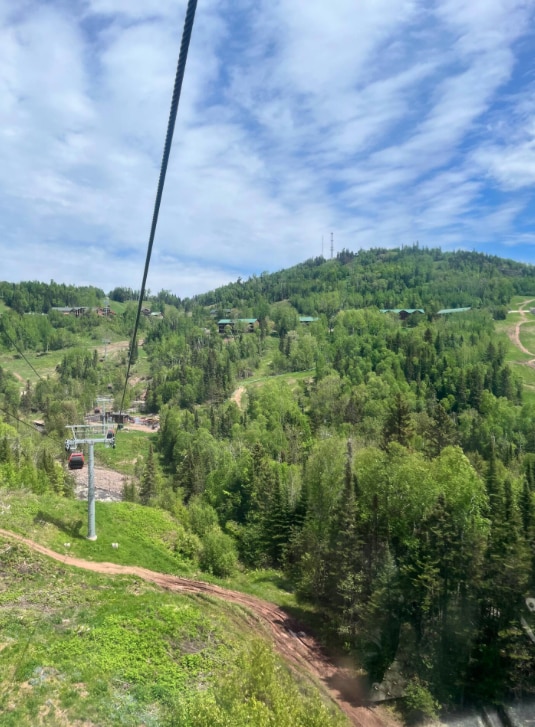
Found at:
[384, 121]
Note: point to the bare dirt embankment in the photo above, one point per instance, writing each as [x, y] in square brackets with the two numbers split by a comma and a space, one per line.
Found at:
[299, 649]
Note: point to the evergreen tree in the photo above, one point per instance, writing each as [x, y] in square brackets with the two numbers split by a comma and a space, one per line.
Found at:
[527, 507]
[398, 424]
[342, 561]
[149, 482]
[441, 432]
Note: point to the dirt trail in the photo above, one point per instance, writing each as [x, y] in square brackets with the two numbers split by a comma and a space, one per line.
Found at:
[299, 649]
[112, 347]
[514, 335]
[237, 395]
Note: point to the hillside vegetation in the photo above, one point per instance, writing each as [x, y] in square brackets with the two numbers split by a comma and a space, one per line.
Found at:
[385, 467]
[83, 649]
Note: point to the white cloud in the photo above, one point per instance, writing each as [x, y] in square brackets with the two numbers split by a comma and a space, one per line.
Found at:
[512, 166]
[387, 122]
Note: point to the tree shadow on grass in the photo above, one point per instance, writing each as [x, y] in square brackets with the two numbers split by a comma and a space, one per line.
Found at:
[71, 528]
[277, 579]
[341, 674]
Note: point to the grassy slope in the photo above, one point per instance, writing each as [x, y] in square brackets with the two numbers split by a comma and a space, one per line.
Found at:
[75, 643]
[130, 446]
[44, 365]
[147, 537]
[516, 358]
[77, 648]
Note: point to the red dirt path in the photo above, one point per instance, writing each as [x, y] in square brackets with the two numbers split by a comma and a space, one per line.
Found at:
[300, 650]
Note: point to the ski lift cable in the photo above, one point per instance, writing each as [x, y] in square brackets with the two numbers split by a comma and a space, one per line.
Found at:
[181, 66]
[12, 342]
[32, 368]
[31, 426]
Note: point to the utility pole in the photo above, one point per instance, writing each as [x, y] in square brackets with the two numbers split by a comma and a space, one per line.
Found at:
[73, 444]
[91, 527]
[105, 341]
[102, 401]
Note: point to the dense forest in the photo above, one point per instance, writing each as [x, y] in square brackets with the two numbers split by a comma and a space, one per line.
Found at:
[411, 277]
[386, 467]
[36, 297]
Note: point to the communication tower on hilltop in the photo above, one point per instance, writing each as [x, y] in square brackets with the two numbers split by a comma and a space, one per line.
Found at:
[332, 245]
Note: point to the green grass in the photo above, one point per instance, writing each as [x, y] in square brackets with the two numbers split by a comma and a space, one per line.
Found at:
[147, 536]
[130, 446]
[514, 356]
[119, 308]
[45, 365]
[79, 646]
[513, 318]
[287, 376]
[118, 651]
[527, 336]
[517, 300]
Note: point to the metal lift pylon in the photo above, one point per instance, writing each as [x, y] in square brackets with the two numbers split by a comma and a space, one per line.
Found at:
[79, 437]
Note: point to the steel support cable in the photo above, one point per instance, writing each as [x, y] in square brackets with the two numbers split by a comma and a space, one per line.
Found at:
[12, 342]
[30, 426]
[35, 372]
[181, 66]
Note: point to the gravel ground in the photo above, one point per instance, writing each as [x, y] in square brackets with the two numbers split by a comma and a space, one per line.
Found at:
[108, 484]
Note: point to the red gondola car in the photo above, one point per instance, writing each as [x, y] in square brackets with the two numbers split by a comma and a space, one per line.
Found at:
[76, 461]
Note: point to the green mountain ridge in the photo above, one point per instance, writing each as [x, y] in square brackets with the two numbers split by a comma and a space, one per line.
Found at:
[384, 468]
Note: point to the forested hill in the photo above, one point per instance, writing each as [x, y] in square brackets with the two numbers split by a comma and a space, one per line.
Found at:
[385, 466]
[36, 297]
[410, 276]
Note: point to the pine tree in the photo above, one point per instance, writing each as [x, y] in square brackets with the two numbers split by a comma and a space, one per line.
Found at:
[527, 507]
[26, 400]
[6, 453]
[507, 572]
[277, 525]
[343, 556]
[441, 432]
[398, 425]
[149, 482]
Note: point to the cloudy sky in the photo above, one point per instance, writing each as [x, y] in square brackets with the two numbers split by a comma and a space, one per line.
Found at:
[384, 121]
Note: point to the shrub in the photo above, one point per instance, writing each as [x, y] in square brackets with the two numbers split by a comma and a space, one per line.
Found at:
[420, 702]
[218, 554]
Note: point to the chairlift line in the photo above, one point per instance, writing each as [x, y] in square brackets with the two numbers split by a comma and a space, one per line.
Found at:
[177, 89]
[73, 444]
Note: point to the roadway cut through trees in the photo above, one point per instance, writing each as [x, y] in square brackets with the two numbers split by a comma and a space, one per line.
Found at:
[299, 649]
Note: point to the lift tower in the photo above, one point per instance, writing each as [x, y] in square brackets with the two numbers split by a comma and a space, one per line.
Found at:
[88, 434]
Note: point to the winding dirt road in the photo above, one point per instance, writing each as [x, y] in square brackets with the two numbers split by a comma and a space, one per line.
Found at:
[514, 335]
[300, 650]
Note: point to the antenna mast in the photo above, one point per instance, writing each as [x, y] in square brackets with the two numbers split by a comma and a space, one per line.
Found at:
[332, 245]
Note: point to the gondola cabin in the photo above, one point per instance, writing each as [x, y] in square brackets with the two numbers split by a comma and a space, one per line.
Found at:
[76, 461]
